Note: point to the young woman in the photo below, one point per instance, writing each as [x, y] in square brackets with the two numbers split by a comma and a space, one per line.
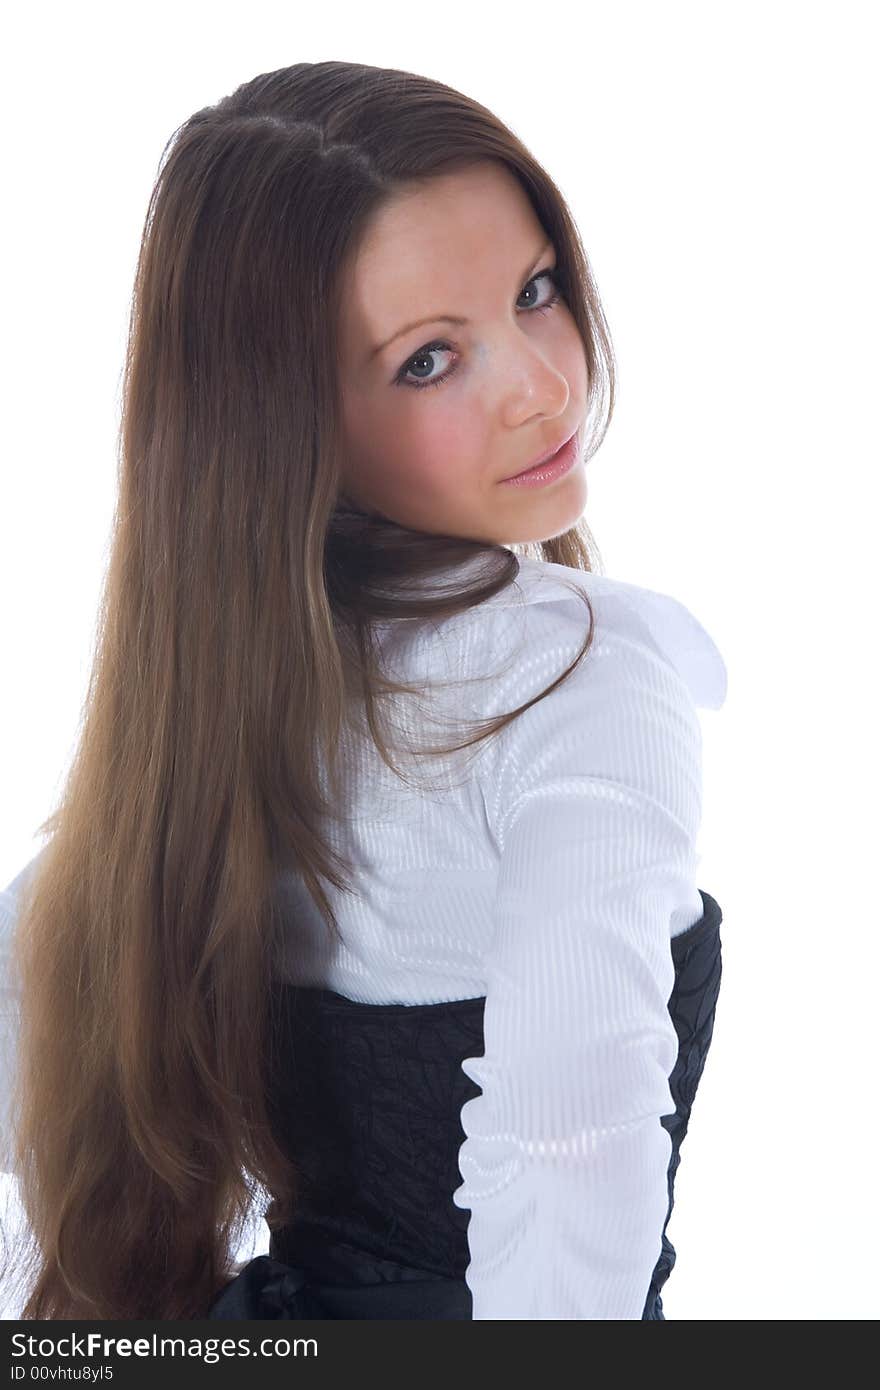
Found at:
[371, 898]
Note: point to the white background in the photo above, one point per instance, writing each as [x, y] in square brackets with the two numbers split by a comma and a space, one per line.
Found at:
[720, 161]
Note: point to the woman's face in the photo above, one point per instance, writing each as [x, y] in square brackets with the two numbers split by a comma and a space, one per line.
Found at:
[436, 415]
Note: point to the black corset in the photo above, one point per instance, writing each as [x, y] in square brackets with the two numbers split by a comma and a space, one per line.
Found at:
[366, 1100]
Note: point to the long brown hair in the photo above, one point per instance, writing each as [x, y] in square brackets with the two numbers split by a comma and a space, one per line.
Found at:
[235, 630]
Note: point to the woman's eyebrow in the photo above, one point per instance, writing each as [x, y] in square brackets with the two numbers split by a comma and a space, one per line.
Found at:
[449, 318]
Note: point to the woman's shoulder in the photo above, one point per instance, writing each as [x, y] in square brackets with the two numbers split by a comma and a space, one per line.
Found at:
[544, 605]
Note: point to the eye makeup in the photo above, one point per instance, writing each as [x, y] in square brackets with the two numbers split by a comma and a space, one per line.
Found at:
[552, 275]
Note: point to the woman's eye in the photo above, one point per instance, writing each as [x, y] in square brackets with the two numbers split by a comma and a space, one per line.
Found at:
[415, 364]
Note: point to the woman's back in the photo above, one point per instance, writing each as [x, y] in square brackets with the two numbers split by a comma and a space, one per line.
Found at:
[546, 880]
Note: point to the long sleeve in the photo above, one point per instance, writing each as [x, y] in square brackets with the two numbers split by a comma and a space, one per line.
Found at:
[595, 803]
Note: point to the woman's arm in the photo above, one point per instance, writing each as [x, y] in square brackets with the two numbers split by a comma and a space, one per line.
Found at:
[595, 801]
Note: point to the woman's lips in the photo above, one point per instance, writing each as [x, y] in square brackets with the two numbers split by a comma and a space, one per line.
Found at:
[550, 470]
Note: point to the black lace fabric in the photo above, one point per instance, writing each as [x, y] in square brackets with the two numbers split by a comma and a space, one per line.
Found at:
[366, 1099]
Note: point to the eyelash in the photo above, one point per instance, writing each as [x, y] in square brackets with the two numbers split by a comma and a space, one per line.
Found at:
[555, 278]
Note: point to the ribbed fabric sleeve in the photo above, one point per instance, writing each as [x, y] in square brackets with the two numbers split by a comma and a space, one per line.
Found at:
[595, 803]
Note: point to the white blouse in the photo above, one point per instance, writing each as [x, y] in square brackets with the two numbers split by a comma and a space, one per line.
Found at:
[546, 870]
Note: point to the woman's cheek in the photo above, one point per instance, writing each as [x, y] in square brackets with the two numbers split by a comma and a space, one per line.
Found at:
[576, 370]
[457, 431]
[436, 469]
